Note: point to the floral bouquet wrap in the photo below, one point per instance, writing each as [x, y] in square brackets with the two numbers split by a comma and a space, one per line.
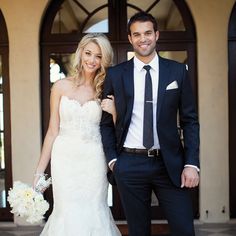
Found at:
[28, 202]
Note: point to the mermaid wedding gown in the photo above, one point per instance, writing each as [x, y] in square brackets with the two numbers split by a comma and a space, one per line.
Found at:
[78, 171]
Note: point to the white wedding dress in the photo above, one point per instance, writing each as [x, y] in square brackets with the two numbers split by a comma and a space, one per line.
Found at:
[78, 171]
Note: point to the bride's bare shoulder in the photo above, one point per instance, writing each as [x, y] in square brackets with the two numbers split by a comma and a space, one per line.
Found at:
[63, 84]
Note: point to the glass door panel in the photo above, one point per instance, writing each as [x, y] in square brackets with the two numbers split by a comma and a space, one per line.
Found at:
[60, 66]
[180, 56]
[165, 11]
[81, 16]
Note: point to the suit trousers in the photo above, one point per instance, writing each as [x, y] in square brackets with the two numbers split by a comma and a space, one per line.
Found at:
[137, 176]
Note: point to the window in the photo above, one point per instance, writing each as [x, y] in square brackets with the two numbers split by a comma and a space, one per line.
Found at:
[165, 11]
[81, 16]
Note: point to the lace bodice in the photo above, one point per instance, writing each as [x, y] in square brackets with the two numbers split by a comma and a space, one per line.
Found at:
[80, 120]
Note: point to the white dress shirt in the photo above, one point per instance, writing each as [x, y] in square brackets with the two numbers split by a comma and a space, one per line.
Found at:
[134, 138]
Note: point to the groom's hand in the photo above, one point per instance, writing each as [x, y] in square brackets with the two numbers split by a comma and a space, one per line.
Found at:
[189, 177]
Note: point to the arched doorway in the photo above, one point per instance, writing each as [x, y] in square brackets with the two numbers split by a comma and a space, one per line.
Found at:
[232, 109]
[66, 21]
[5, 124]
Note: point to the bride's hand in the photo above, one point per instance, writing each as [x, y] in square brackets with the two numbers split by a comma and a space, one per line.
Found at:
[108, 105]
[35, 181]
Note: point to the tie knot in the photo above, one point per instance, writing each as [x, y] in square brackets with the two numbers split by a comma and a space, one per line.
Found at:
[147, 67]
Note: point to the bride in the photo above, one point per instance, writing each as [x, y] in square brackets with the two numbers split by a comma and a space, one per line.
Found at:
[73, 144]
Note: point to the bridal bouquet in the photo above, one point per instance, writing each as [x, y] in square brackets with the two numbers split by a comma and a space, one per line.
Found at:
[27, 202]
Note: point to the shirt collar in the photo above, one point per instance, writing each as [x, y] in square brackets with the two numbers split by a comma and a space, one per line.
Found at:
[154, 63]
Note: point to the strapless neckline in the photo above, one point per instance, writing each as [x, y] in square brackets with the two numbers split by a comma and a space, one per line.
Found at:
[77, 101]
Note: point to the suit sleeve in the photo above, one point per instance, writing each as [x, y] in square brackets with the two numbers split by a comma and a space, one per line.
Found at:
[107, 125]
[189, 122]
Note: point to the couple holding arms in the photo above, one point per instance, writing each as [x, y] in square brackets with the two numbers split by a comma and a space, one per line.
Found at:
[134, 127]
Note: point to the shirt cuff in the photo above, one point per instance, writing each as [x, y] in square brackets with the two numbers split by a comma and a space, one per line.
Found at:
[110, 162]
[193, 167]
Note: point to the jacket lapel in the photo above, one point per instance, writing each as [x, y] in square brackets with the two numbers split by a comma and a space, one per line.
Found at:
[163, 82]
[128, 81]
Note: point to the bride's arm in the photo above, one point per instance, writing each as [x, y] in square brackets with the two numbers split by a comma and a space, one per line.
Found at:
[108, 105]
[51, 134]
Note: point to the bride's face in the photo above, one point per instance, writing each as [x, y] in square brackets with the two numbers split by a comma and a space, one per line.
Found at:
[91, 58]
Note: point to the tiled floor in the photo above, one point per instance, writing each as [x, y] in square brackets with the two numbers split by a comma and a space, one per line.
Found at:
[216, 229]
[228, 229]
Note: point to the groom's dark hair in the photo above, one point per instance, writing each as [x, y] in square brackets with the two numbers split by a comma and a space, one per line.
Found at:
[142, 16]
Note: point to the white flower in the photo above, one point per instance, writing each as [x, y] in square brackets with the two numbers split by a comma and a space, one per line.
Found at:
[26, 202]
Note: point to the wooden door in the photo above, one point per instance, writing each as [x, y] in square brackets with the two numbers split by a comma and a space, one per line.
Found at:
[177, 40]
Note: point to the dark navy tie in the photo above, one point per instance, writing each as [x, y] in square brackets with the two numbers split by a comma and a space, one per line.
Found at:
[148, 139]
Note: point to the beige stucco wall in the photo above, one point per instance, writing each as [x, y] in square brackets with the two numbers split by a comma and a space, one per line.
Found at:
[211, 17]
[23, 19]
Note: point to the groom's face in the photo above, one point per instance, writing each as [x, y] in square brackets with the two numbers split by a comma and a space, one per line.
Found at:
[143, 39]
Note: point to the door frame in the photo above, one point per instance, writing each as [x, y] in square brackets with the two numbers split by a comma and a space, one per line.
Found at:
[67, 43]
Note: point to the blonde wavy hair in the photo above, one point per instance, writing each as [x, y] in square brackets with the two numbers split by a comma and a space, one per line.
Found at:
[107, 56]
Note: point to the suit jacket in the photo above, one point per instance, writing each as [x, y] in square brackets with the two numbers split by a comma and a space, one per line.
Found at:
[170, 102]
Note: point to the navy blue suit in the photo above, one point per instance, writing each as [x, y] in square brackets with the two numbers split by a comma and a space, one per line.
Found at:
[137, 176]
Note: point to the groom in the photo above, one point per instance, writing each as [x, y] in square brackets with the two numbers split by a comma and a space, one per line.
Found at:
[144, 149]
